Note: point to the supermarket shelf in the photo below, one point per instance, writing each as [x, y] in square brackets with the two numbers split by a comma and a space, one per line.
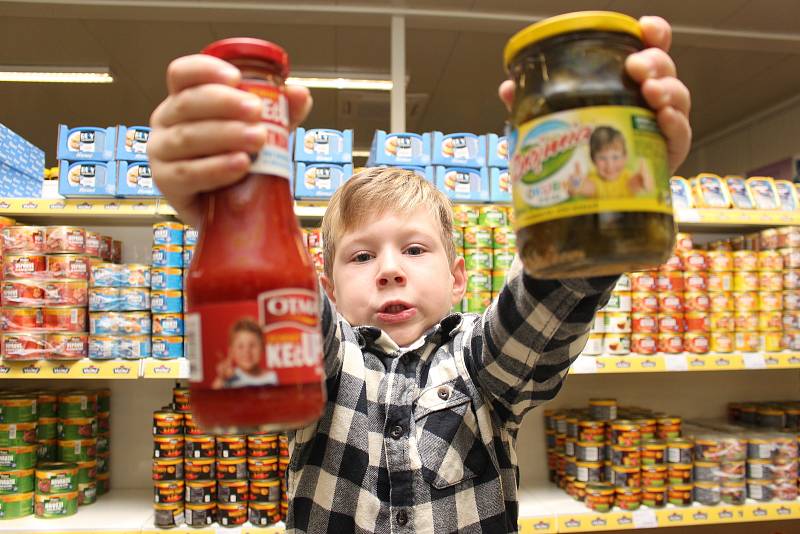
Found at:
[727, 220]
[572, 516]
[173, 369]
[85, 369]
[107, 211]
[684, 363]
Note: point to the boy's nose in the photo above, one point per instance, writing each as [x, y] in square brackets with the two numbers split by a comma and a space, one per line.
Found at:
[386, 279]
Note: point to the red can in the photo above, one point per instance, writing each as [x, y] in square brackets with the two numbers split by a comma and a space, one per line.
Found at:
[697, 322]
[695, 281]
[644, 302]
[646, 282]
[65, 319]
[670, 323]
[71, 266]
[24, 266]
[695, 260]
[644, 323]
[670, 343]
[644, 343]
[670, 282]
[106, 247]
[67, 345]
[696, 302]
[67, 293]
[720, 282]
[23, 346]
[23, 239]
[670, 302]
[314, 237]
[673, 263]
[116, 251]
[92, 244]
[23, 292]
[65, 240]
[21, 319]
[696, 343]
[683, 242]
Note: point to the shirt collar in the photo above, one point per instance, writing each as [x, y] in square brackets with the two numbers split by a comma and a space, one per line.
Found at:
[374, 337]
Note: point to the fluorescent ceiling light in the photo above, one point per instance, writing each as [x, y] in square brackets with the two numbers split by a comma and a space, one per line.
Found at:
[366, 82]
[42, 74]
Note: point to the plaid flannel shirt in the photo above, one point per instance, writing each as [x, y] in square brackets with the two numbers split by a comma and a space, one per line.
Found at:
[422, 439]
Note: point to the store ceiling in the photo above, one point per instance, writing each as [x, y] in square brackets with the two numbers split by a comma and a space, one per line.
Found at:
[739, 57]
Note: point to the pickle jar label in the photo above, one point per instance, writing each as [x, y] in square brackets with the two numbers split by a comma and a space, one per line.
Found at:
[274, 340]
[589, 160]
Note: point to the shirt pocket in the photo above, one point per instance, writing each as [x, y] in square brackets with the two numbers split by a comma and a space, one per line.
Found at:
[448, 440]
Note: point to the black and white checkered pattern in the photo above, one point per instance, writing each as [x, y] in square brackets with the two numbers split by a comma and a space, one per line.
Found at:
[423, 440]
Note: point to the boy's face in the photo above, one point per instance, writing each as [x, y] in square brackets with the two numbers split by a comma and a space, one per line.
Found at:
[392, 272]
[245, 349]
[610, 161]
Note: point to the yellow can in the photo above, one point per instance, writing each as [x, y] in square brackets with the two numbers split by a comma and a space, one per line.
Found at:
[465, 215]
[746, 321]
[770, 260]
[745, 281]
[721, 302]
[770, 281]
[722, 342]
[720, 261]
[771, 341]
[722, 281]
[745, 301]
[770, 321]
[745, 260]
[477, 237]
[748, 341]
[769, 301]
[722, 322]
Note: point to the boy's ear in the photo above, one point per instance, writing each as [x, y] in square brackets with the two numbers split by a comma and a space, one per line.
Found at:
[459, 274]
[327, 285]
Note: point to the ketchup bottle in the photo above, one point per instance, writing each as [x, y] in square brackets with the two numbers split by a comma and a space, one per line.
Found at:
[252, 326]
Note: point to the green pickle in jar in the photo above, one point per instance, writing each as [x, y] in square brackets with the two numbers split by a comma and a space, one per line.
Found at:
[588, 162]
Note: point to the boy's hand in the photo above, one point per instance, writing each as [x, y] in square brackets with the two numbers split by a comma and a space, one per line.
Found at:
[666, 94]
[205, 130]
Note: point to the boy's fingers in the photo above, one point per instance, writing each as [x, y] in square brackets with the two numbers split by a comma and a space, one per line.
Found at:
[199, 69]
[202, 138]
[186, 178]
[650, 63]
[210, 101]
[656, 32]
[506, 93]
[667, 92]
[675, 126]
[300, 103]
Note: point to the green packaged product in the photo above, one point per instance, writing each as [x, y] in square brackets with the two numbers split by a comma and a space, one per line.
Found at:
[20, 481]
[77, 450]
[56, 477]
[17, 458]
[17, 434]
[55, 506]
[16, 506]
[17, 409]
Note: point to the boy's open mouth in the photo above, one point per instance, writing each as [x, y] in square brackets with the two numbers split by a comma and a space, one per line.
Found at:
[396, 311]
[394, 307]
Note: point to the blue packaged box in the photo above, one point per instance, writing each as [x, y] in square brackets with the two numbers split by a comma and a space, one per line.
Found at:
[15, 184]
[425, 172]
[86, 143]
[400, 148]
[87, 179]
[20, 154]
[168, 324]
[168, 233]
[463, 184]
[190, 235]
[323, 145]
[164, 278]
[188, 254]
[319, 180]
[459, 150]
[167, 256]
[166, 301]
[135, 180]
[500, 184]
[496, 151]
[167, 347]
[132, 143]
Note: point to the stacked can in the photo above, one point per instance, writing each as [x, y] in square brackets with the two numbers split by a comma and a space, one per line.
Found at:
[78, 427]
[745, 300]
[617, 319]
[57, 492]
[313, 241]
[173, 248]
[119, 304]
[168, 467]
[671, 285]
[47, 425]
[103, 441]
[788, 245]
[644, 307]
[696, 302]
[18, 421]
[44, 293]
[719, 468]
[264, 473]
[771, 293]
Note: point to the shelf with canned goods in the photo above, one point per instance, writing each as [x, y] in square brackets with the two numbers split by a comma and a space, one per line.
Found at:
[685, 362]
[708, 218]
[106, 210]
[573, 516]
[95, 369]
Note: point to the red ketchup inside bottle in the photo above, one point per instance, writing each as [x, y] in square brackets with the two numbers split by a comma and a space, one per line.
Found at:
[252, 326]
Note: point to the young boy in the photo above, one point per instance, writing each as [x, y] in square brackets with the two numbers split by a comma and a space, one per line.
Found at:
[244, 364]
[610, 178]
[424, 406]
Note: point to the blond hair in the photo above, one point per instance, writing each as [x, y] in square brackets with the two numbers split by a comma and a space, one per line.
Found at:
[378, 190]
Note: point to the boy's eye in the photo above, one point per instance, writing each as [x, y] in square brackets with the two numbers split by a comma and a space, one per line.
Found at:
[361, 257]
[414, 250]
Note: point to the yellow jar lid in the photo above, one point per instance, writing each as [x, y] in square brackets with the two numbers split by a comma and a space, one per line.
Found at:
[570, 22]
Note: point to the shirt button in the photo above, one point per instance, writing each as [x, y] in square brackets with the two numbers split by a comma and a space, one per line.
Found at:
[444, 393]
[401, 517]
[396, 432]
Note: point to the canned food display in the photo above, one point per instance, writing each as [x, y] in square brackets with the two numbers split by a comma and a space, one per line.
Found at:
[65, 318]
[23, 239]
[71, 266]
[65, 240]
[25, 266]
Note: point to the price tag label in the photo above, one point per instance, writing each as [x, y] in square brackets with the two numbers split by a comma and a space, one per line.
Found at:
[754, 361]
[676, 362]
[645, 519]
[585, 365]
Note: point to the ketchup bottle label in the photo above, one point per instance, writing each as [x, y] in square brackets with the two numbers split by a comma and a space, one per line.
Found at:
[274, 158]
[272, 341]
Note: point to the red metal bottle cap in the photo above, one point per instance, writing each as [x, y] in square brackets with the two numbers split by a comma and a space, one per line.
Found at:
[247, 47]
